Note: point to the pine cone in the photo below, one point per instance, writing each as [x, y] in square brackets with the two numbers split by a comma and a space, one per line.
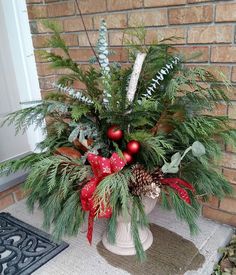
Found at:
[143, 183]
[157, 175]
[142, 177]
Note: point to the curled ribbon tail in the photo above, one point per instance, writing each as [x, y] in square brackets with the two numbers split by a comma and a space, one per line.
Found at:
[101, 168]
[90, 228]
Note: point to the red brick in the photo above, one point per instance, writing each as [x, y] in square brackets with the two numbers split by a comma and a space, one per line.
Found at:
[40, 41]
[198, 1]
[196, 14]
[70, 39]
[210, 34]
[233, 76]
[33, 1]
[117, 21]
[231, 92]
[220, 216]
[194, 53]
[39, 11]
[219, 110]
[9, 191]
[149, 18]
[61, 9]
[117, 38]
[163, 3]
[232, 110]
[229, 160]
[83, 40]
[228, 204]
[153, 36]
[45, 69]
[19, 194]
[6, 201]
[226, 12]
[120, 55]
[81, 54]
[123, 4]
[91, 6]
[223, 54]
[212, 202]
[75, 24]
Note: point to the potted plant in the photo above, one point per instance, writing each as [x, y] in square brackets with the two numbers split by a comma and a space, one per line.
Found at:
[132, 135]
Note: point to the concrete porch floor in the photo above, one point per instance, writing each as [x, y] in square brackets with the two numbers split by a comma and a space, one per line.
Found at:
[80, 258]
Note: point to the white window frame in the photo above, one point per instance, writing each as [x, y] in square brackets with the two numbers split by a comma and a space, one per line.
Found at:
[24, 66]
[22, 52]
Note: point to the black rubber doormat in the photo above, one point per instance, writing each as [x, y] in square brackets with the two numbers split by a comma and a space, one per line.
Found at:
[24, 248]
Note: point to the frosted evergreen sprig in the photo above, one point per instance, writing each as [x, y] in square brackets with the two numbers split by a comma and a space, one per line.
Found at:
[74, 93]
[82, 130]
[102, 49]
[160, 76]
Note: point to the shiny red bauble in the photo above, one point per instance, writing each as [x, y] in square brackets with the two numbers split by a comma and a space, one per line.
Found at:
[128, 158]
[133, 147]
[114, 133]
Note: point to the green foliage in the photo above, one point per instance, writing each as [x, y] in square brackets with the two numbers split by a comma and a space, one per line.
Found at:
[35, 115]
[25, 163]
[136, 217]
[175, 115]
[54, 183]
[185, 211]
[207, 181]
[56, 40]
[116, 185]
[153, 151]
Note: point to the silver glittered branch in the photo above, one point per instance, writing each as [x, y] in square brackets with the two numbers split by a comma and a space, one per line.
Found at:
[160, 76]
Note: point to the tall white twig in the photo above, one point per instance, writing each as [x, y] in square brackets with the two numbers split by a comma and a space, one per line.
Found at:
[135, 76]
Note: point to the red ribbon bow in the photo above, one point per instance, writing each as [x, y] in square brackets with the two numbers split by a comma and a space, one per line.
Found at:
[101, 167]
[176, 184]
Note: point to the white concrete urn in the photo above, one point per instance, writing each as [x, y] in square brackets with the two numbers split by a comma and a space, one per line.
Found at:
[124, 244]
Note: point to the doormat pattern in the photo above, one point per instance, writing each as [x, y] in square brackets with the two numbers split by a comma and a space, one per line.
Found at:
[170, 254]
[24, 248]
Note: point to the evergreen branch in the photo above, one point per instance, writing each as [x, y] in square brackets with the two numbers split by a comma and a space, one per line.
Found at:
[34, 115]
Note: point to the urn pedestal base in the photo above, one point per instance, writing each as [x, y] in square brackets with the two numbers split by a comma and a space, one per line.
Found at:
[124, 244]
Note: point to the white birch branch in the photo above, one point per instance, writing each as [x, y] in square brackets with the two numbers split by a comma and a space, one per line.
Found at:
[135, 76]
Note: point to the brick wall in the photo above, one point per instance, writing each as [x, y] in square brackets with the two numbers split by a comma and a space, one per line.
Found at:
[203, 25]
[11, 196]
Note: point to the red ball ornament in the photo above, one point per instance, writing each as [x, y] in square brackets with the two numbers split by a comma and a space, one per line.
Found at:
[114, 133]
[133, 147]
[128, 158]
